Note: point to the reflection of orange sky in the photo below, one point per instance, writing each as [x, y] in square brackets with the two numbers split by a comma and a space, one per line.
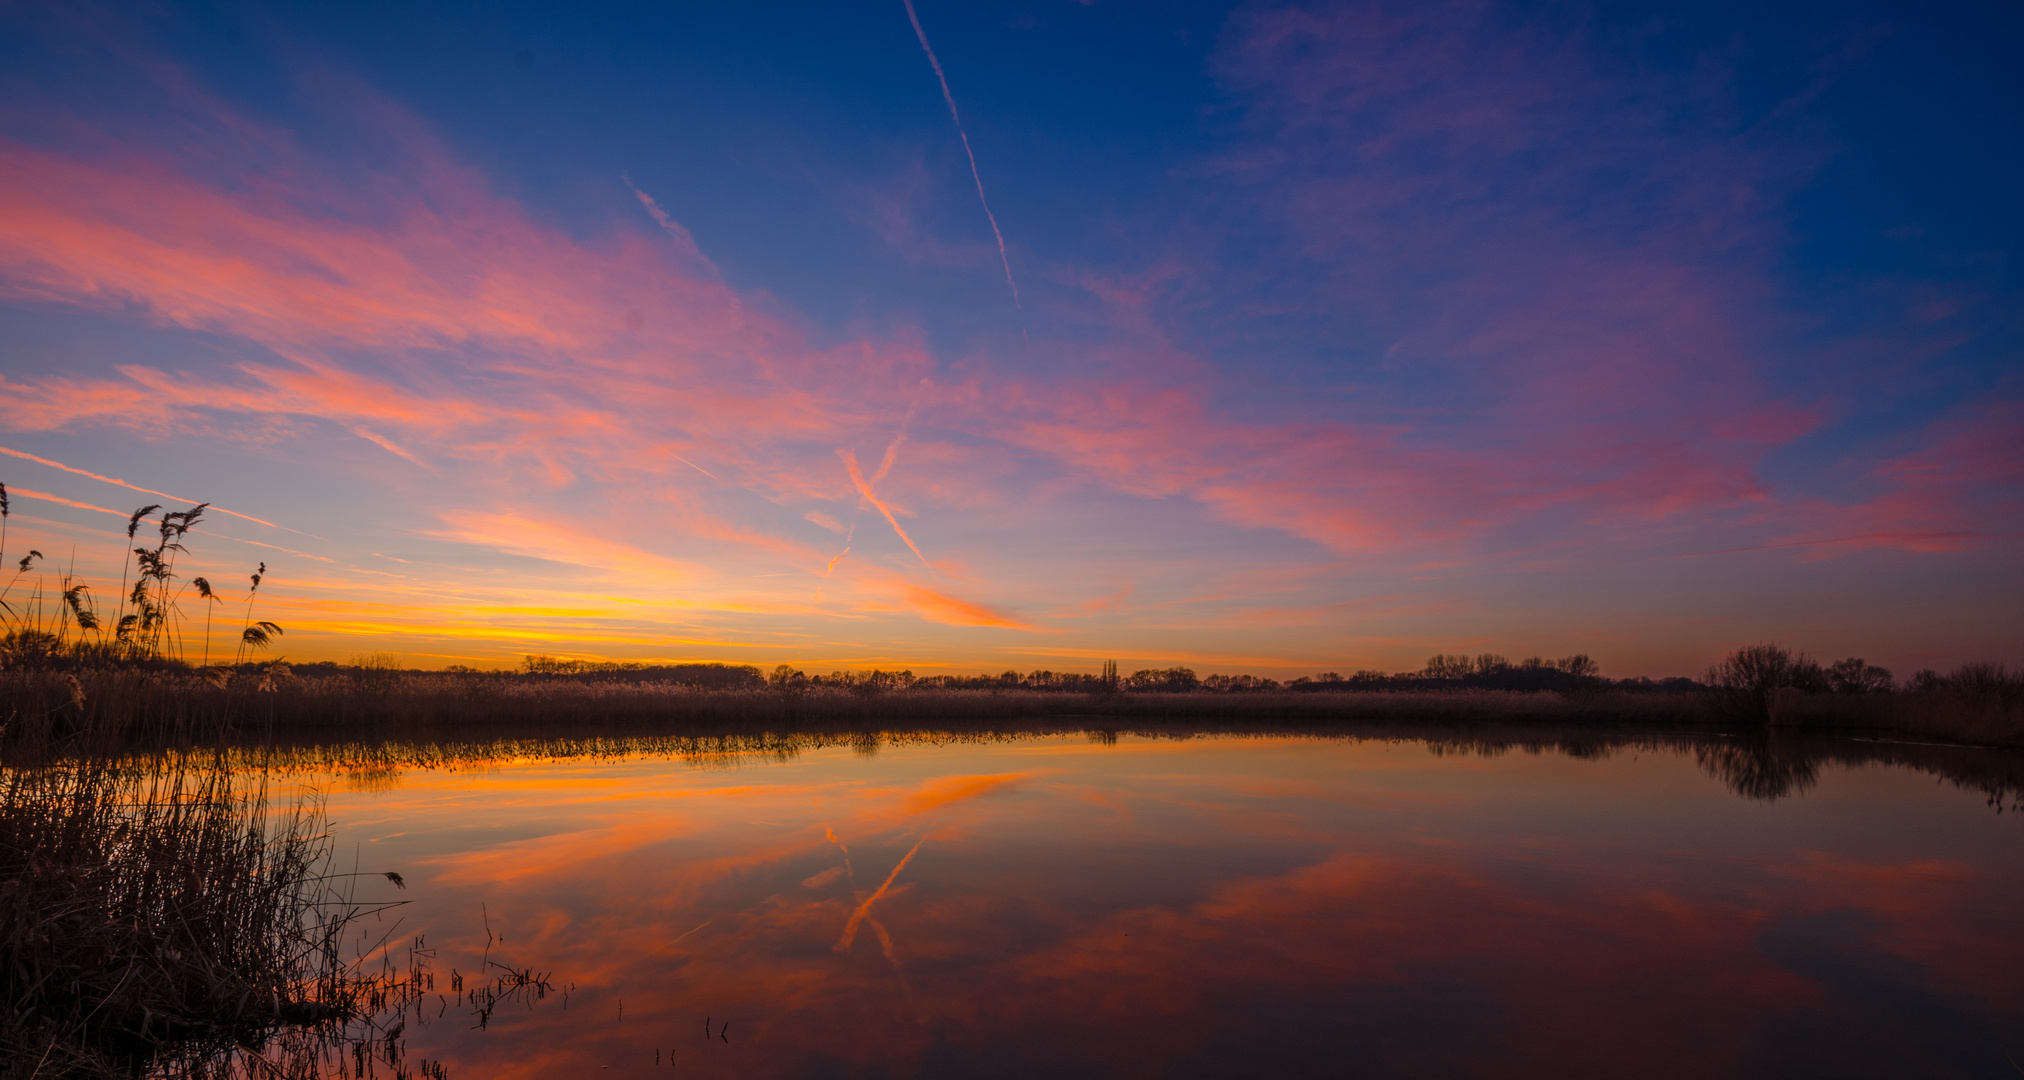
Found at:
[1152, 907]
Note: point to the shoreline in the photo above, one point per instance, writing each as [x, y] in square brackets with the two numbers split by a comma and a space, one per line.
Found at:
[115, 710]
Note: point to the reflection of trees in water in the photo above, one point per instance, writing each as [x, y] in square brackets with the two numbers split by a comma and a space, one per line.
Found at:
[1780, 766]
[1587, 749]
[1582, 747]
[1758, 768]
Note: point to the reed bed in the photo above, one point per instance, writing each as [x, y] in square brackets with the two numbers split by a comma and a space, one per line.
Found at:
[1992, 716]
[161, 919]
[114, 708]
[117, 709]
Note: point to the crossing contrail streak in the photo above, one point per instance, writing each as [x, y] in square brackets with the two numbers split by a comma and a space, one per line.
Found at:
[864, 909]
[864, 489]
[967, 152]
[145, 491]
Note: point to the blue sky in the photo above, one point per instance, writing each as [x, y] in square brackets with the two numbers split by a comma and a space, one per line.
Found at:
[1344, 333]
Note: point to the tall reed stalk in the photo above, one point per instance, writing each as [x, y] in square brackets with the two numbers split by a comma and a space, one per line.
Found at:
[210, 604]
[120, 617]
[146, 627]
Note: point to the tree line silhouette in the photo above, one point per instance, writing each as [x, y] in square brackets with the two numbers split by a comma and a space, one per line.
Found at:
[1753, 672]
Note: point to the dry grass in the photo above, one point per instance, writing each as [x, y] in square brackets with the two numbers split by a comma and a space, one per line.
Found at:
[1984, 718]
[158, 919]
[109, 709]
[112, 710]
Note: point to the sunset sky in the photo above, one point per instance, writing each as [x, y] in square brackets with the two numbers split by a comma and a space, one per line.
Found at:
[1275, 338]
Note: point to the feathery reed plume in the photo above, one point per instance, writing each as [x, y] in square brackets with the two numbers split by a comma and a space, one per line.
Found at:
[27, 561]
[74, 597]
[256, 576]
[173, 527]
[211, 601]
[133, 526]
[259, 635]
[146, 626]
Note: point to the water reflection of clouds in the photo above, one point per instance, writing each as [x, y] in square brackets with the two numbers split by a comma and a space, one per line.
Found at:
[1265, 906]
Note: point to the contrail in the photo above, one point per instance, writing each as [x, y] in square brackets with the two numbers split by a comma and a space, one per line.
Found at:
[669, 225]
[145, 491]
[682, 237]
[864, 489]
[892, 453]
[864, 910]
[46, 497]
[963, 135]
[389, 446]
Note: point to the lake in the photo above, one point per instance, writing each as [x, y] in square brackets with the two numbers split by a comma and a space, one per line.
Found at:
[1113, 905]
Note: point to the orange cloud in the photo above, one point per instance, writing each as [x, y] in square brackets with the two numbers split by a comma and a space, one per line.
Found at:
[944, 608]
[939, 793]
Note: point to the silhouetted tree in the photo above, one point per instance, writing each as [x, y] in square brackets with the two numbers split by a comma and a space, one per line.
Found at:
[1578, 665]
[1441, 666]
[788, 681]
[1854, 676]
[1177, 680]
[1746, 680]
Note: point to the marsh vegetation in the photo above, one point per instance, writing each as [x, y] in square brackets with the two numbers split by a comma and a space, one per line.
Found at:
[160, 918]
[68, 709]
[52, 617]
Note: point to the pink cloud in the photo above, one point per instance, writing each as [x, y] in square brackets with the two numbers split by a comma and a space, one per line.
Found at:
[1962, 488]
[1578, 369]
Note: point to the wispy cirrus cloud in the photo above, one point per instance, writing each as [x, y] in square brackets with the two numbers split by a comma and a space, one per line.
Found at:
[1540, 324]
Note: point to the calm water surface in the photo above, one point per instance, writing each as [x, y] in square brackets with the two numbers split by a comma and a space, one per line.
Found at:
[1207, 907]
